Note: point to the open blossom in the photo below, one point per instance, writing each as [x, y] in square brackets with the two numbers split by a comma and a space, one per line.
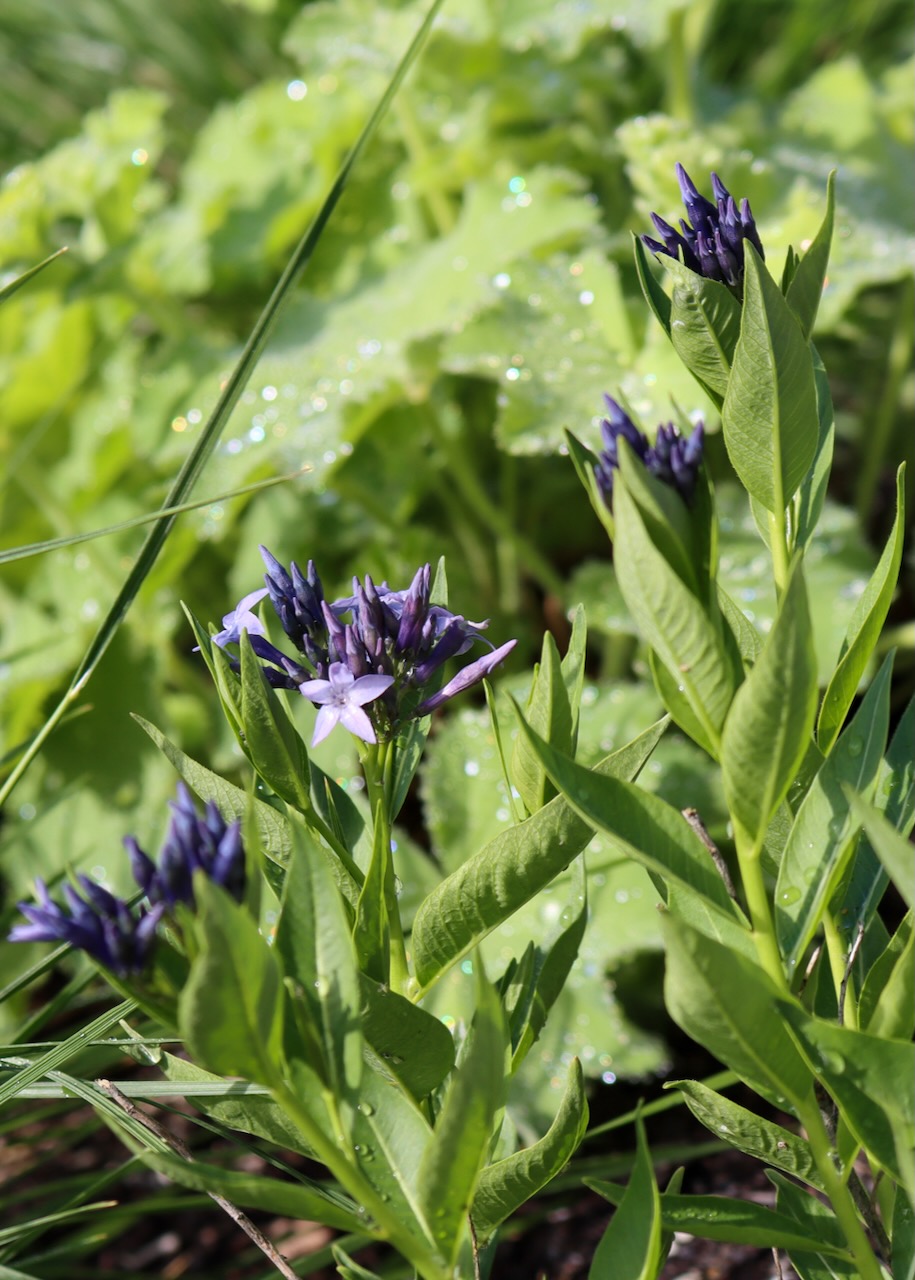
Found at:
[396, 638]
[673, 458]
[104, 926]
[242, 619]
[341, 698]
[712, 242]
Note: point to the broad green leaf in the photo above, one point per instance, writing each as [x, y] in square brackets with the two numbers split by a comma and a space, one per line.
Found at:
[655, 296]
[736, 1221]
[749, 641]
[811, 497]
[728, 927]
[669, 616]
[770, 410]
[863, 630]
[795, 1202]
[632, 1247]
[895, 852]
[450, 1168]
[704, 326]
[823, 835]
[272, 743]
[413, 1045]
[520, 861]
[250, 1114]
[727, 1003]
[644, 825]
[870, 1078]
[549, 712]
[508, 1184]
[314, 943]
[670, 691]
[809, 276]
[771, 718]
[887, 1003]
[230, 1011]
[747, 1132]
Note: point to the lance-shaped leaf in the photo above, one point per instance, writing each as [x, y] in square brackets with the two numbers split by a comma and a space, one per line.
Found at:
[451, 1166]
[870, 1078]
[771, 718]
[632, 1247]
[272, 742]
[314, 943]
[749, 1132]
[895, 852]
[519, 862]
[726, 1002]
[414, 1045]
[863, 630]
[887, 1003]
[573, 670]
[807, 1210]
[704, 326]
[549, 711]
[670, 617]
[508, 1184]
[812, 493]
[655, 296]
[650, 830]
[371, 930]
[809, 275]
[770, 410]
[736, 1221]
[822, 837]
[230, 1011]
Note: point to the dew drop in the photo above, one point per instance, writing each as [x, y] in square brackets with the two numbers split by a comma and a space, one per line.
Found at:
[789, 896]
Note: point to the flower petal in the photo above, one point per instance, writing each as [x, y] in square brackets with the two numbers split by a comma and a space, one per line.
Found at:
[326, 719]
[355, 719]
[367, 689]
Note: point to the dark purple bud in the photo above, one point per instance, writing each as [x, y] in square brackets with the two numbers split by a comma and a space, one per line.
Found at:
[672, 459]
[466, 678]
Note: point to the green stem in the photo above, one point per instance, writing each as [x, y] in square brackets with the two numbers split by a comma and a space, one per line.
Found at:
[378, 765]
[778, 543]
[351, 1178]
[749, 857]
[839, 1195]
[838, 959]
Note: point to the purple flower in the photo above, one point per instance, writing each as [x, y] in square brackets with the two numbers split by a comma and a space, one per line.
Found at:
[712, 242]
[192, 843]
[467, 677]
[99, 924]
[242, 619]
[341, 698]
[673, 458]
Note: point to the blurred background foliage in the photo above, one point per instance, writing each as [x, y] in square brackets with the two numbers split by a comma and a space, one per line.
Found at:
[473, 295]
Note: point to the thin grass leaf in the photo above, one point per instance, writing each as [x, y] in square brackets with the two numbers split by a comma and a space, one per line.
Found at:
[9, 1234]
[67, 1049]
[235, 384]
[53, 544]
[9, 289]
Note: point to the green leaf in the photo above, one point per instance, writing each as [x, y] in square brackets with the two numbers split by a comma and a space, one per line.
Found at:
[809, 276]
[870, 1078]
[548, 981]
[770, 410]
[903, 1236]
[573, 669]
[748, 639]
[895, 852]
[793, 1201]
[549, 711]
[863, 630]
[811, 497]
[704, 326]
[271, 741]
[644, 825]
[371, 929]
[632, 1247]
[349, 1269]
[771, 718]
[516, 864]
[314, 943]
[413, 1045]
[451, 1166]
[823, 835]
[669, 616]
[747, 1132]
[726, 1002]
[734, 1221]
[508, 1184]
[15, 284]
[230, 1011]
[655, 296]
[887, 1003]
[678, 707]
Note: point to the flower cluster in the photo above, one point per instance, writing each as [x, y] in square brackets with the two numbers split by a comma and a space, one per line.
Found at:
[673, 458]
[713, 245]
[104, 927]
[379, 645]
